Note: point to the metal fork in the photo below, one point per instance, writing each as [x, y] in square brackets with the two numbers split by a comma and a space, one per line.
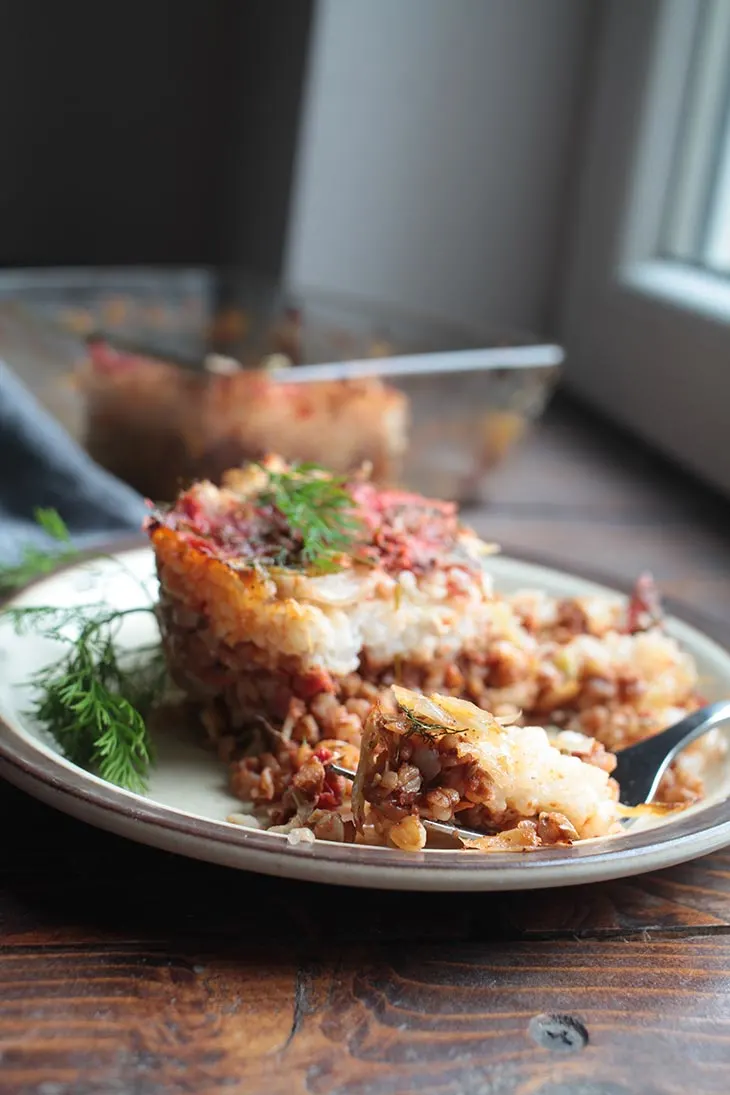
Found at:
[639, 768]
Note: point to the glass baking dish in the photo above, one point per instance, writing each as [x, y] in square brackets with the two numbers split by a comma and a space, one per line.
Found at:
[229, 373]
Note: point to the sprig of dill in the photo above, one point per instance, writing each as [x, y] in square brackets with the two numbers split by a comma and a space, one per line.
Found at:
[36, 561]
[431, 731]
[91, 703]
[317, 508]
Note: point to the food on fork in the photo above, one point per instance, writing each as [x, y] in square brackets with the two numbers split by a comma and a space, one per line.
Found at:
[292, 599]
[444, 759]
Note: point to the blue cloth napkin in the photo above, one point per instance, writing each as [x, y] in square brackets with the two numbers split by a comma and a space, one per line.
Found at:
[41, 465]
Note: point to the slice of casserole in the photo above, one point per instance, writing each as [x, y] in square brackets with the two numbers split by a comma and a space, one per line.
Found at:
[259, 631]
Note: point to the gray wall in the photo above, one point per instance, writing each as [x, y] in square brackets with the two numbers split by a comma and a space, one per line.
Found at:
[434, 153]
[141, 132]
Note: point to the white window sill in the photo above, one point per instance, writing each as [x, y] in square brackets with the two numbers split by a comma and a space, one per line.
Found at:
[681, 286]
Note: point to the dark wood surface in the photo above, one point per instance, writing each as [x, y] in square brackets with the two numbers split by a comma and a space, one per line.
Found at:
[124, 969]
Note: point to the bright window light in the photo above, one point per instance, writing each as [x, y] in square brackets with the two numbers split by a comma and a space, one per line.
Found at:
[697, 221]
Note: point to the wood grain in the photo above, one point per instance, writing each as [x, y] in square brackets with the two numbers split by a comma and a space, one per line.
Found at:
[554, 1018]
[125, 969]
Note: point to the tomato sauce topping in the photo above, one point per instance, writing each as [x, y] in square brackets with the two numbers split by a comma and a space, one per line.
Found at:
[399, 531]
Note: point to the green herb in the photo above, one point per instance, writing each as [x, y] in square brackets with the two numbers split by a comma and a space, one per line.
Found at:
[318, 509]
[35, 561]
[431, 731]
[91, 701]
[92, 704]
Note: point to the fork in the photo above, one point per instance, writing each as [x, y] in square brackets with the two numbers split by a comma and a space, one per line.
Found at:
[639, 767]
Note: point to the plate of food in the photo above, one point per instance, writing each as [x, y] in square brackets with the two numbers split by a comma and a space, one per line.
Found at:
[204, 690]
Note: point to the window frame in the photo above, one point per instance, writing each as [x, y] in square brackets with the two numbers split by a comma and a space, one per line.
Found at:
[647, 337]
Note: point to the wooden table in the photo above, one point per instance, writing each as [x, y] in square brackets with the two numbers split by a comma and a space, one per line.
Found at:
[123, 969]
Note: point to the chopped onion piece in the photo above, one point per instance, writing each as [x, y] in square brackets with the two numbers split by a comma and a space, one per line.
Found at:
[468, 717]
[422, 707]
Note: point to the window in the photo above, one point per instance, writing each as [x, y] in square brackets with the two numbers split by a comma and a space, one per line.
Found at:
[647, 302]
[697, 222]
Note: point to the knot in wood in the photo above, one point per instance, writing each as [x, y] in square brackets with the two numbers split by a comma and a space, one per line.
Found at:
[559, 1033]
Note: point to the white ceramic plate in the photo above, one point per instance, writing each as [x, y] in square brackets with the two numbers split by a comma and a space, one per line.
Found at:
[187, 802]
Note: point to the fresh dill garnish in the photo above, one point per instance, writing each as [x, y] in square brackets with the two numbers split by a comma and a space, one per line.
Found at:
[91, 703]
[36, 561]
[431, 731]
[317, 509]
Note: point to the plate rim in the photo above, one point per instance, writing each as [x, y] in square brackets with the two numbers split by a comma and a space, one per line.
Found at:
[75, 791]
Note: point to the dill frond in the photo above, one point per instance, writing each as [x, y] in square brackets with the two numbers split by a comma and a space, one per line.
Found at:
[317, 508]
[431, 731]
[91, 703]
